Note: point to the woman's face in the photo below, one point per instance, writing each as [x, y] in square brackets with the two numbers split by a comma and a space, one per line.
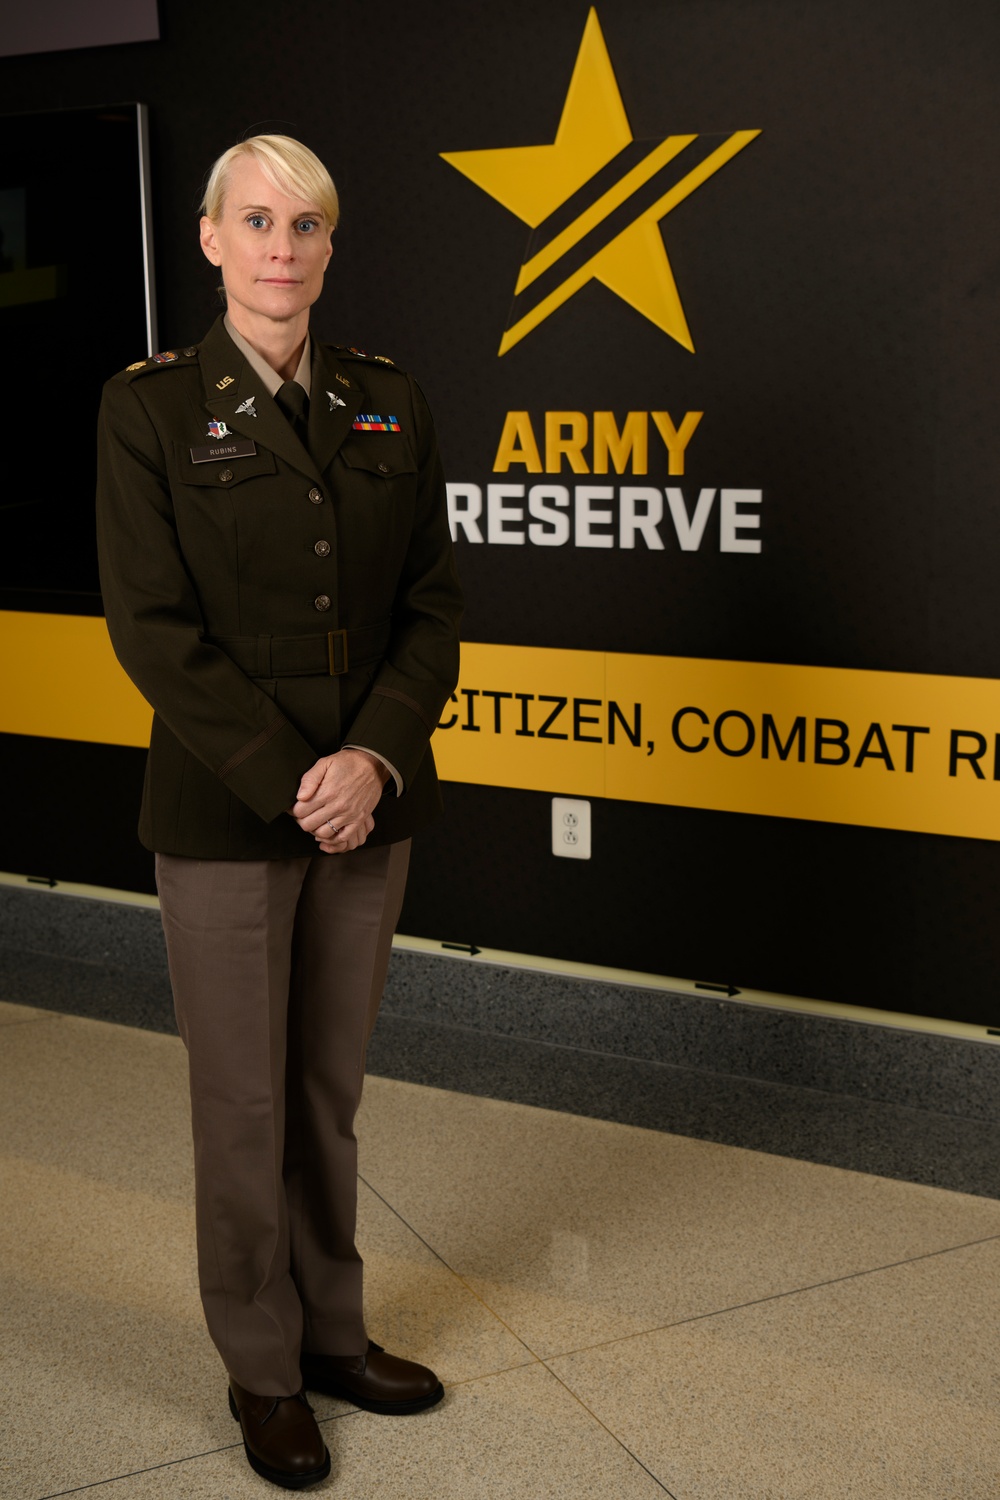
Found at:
[272, 249]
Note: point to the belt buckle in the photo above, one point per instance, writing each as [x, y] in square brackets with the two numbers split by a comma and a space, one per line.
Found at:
[336, 646]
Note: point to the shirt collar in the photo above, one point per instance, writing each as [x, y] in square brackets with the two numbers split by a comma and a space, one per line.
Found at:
[270, 379]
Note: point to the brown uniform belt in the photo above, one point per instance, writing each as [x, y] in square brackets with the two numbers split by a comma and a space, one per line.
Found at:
[305, 655]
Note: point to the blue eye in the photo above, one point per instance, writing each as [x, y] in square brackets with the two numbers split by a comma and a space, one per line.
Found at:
[256, 221]
[306, 226]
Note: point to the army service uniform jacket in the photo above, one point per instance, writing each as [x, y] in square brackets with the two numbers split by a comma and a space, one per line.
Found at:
[273, 604]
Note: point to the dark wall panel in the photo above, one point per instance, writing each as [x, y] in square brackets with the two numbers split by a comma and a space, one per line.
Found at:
[842, 283]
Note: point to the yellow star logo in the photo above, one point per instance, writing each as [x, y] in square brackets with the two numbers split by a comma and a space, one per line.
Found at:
[594, 200]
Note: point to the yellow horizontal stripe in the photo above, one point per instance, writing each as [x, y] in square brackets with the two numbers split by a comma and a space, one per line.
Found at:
[585, 763]
[61, 681]
[544, 719]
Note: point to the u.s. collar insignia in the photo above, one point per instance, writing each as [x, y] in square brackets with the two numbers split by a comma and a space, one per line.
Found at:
[246, 408]
[335, 400]
[218, 430]
[343, 380]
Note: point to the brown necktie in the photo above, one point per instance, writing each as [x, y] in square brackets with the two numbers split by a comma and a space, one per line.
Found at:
[294, 402]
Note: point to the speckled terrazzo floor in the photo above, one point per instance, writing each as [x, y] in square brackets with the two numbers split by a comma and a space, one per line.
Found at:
[616, 1312]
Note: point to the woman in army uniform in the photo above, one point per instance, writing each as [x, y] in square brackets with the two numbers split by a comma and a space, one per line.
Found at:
[278, 583]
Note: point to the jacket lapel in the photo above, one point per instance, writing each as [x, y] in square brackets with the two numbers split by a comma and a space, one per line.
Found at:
[334, 403]
[230, 382]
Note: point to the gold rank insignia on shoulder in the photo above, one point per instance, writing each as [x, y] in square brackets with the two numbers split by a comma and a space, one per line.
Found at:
[140, 364]
[363, 354]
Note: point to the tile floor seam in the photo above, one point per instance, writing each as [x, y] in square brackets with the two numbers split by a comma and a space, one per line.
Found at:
[451, 1269]
[653, 1062]
[169, 1463]
[815, 1286]
[612, 1434]
[528, 1364]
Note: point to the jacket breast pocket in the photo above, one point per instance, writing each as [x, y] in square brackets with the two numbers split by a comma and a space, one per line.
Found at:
[379, 455]
[222, 472]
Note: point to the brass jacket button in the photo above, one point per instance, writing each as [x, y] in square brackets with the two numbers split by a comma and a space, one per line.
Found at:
[322, 549]
[316, 496]
[322, 601]
[225, 475]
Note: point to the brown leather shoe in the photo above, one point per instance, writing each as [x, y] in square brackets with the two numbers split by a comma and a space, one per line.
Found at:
[280, 1436]
[375, 1381]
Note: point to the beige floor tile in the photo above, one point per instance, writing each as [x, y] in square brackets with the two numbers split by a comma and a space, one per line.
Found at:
[66, 1233]
[416, 1306]
[91, 1387]
[569, 1231]
[123, 1365]
[513, 1436]
[101, 1316]
[106, 1103]
[220, 1475]
[516, 1436]
[224, 1475]
[883, 1387]
[575, 1231]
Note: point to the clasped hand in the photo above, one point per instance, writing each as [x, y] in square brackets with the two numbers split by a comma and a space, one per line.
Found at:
[337, 797]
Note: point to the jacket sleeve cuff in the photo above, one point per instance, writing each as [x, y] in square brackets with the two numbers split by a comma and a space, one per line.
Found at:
[265, 773]
[394, 728]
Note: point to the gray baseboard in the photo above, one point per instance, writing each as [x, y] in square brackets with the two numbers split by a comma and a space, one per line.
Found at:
[106, 960]
[918, 1106]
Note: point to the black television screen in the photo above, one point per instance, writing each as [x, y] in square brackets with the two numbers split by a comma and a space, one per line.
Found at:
[76, 304]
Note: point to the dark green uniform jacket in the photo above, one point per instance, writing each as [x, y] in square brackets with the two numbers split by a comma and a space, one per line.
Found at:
[273, 604]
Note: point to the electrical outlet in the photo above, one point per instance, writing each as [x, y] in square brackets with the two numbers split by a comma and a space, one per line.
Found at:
[571, 827]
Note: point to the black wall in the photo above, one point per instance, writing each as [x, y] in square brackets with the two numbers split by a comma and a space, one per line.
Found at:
[843, 292]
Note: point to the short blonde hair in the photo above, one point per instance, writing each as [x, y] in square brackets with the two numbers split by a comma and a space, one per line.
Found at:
[291, 167]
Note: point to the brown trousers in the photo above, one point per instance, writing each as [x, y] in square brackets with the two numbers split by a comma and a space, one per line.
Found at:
[277, 968]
